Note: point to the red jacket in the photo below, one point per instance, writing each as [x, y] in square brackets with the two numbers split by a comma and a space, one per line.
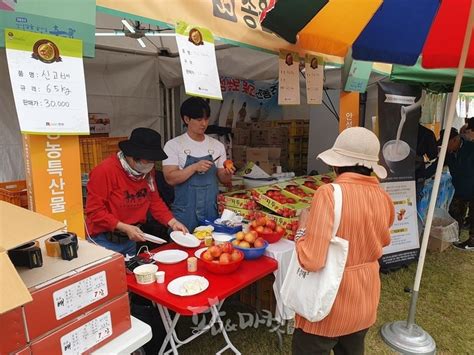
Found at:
[112, 197]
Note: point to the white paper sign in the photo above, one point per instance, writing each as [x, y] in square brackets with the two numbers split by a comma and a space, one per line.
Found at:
[314, 70]
[198, 61]
[404, 231]
[47, 78]
[88, 335]
[289, 78]
[80, 294]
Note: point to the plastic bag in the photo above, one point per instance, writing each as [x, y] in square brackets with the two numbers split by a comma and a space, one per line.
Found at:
[444, 226]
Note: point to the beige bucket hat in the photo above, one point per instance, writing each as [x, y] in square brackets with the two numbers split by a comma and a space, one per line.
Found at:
[355, 146]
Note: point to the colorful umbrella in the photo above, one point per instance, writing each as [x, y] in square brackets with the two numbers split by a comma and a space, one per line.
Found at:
[392, 31]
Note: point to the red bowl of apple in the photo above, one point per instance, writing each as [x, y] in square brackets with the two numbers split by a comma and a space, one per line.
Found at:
[220, 260]
[270, 236]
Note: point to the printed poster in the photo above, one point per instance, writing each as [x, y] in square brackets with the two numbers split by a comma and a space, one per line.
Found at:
[398, 139]
[198, 61]
[358, 76]
[246, 101]
[289, 78]
[47, 78]
[314, 70]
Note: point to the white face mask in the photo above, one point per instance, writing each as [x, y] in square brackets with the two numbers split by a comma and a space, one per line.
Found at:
[143, 168]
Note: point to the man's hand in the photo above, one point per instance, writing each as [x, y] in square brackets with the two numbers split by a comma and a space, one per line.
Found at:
[203, 166]
[133, 232]
[177, 225]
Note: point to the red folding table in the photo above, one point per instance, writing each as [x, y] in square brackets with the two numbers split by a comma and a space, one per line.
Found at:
[211, 299]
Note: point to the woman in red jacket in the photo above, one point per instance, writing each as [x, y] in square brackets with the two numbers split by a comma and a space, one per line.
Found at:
[122, 190]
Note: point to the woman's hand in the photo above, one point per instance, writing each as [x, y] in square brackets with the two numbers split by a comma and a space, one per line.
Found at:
[133, 232]
[177, 225]
[304, 216]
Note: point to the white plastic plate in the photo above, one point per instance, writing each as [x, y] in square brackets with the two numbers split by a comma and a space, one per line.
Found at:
[153, 238]
[198, 252]
[188, 285]
[185, 240]
[171, 256]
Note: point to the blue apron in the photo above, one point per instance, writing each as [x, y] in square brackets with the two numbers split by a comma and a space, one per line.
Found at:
[196, 198]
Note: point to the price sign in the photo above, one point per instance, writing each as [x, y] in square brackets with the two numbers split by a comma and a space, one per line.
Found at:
[314, 70]
[47, 77]
[88, 335]
[198, 61]
[80, 294]
[289, 78]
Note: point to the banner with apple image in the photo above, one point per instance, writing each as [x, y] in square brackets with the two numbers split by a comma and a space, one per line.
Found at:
[398, 139]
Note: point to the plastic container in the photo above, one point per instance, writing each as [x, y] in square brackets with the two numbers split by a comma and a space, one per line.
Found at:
[14, 192]
[219, 228]
[252, 253]
[145, 274]
[217, 268]
[271, 237]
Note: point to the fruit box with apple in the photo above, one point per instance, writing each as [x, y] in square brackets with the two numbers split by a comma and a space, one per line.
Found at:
[279, 201]
[297, 191]
[308, 182]
[239, 199]
[246, 214]
[289, 224]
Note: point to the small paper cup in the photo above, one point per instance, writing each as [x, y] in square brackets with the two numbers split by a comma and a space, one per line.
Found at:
[160, 277]
[145, 274]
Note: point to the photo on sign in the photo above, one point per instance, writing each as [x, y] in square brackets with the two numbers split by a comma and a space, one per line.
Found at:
[398, 137]
[195, 37]
[46, 51]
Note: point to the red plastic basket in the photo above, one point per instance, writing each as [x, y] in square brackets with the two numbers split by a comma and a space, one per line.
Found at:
[217, 268]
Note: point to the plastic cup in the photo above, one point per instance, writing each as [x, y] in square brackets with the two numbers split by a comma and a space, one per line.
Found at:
[160, 277]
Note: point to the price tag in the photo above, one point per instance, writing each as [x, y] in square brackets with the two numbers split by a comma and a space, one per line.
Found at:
[80, 294]
[88, 335]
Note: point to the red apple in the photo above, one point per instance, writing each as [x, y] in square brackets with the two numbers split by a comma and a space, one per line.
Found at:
[235, 255]
[249, 238]
[271, 224]
[206, 256]
[267, 230]
[279, 229]
[240, 236]
[227, 248]
[224, 258]
[244, 244]
[215, 251]
[255, 234]
[259, 243]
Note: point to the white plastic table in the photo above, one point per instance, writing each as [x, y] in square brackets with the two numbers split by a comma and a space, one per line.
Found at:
[126, 343]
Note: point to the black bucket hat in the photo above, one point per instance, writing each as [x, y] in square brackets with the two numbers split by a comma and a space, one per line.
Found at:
[144, 143]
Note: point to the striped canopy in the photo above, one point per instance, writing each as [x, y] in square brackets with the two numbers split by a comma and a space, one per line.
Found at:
[388, 31]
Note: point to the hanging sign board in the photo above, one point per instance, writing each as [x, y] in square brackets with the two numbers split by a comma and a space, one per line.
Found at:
[358, 76]
[289, 78]
[348, 110]
[47, 78]
[314, 72]
[197, 55]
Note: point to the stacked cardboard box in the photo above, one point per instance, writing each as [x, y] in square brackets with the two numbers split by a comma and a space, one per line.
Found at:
[63, 306]
[267, 158]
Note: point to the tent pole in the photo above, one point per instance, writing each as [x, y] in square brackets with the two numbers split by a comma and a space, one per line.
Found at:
[408, 337]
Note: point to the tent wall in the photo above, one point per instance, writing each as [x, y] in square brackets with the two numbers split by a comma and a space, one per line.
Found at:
[125, 86]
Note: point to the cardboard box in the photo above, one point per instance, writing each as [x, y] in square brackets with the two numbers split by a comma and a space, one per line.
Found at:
[269, 166]
[13, 335]
[240, 199]
[241, 136]
[297, 191]
[24, 351]
[64, 290]
[239, 153]
[269, 137]
[263, 154]
[438, 245]
[99, 123]
[87, 333]
[18, 226]
[246, 125]
[283, 209]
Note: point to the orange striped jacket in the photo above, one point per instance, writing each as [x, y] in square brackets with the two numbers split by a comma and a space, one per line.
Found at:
[367, 214]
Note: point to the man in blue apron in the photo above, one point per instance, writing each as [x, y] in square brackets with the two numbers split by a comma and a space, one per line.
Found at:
[195, 165]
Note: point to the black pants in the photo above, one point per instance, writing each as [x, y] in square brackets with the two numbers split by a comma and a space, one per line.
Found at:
[458, 210]
[311, 344]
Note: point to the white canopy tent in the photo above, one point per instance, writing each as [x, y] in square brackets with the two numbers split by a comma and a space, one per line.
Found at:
[123, 80]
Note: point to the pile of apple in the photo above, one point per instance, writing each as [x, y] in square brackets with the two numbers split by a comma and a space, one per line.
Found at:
[221, 254]
[250, 204]
[266, 225]
[248, 240]
[298, 191]
[278, 196]
[311, 184]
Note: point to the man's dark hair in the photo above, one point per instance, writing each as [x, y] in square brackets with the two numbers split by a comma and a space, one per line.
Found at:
[452, 134]
[470, 123]
[195, 107]
[358, 169]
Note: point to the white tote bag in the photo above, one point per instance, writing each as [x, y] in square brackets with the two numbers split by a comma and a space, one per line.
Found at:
[312, 294]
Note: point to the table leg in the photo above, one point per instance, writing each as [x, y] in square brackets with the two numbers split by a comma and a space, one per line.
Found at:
[170, 329]
[215, 312]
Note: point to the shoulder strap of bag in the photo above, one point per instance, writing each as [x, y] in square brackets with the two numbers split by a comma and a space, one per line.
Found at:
[337, 208]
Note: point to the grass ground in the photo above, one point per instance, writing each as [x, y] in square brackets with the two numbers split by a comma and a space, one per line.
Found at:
[445, 309]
